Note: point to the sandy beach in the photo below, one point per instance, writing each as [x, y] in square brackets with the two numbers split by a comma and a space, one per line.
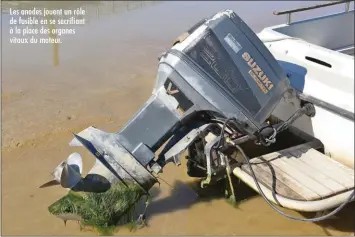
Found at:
[106, 71]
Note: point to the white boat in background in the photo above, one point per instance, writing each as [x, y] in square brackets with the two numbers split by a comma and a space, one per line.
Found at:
[318, 56]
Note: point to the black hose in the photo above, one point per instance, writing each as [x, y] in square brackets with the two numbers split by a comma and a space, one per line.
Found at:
[308, 109]
[300, 112]
[221, 136]
[267, 134]
[273, 206]
[221, 122]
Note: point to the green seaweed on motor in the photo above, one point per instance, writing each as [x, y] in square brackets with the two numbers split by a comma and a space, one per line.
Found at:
[104, 211]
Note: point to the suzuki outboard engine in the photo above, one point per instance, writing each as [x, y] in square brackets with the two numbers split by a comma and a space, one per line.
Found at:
[219, 78]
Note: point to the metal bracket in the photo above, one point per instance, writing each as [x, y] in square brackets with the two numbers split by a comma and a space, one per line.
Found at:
[208, 149]
[175, 151]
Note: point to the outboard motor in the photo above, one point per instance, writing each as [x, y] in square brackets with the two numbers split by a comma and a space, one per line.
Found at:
[220, 79]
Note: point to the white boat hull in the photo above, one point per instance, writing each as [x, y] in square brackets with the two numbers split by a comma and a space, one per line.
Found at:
[334, 131]
[333, 84]
[337, 135]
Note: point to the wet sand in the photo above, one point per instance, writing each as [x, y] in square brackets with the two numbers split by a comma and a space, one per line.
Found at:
[105, 73]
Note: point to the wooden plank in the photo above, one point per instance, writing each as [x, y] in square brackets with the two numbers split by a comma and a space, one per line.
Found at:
[273, 182]
[326, 165]
[306, 181]
[285, 178]
[320, 156]
[315, 174]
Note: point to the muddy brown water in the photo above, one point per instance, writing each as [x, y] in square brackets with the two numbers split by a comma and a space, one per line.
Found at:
[105, 72]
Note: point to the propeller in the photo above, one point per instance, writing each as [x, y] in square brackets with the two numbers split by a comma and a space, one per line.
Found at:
[67, 173]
